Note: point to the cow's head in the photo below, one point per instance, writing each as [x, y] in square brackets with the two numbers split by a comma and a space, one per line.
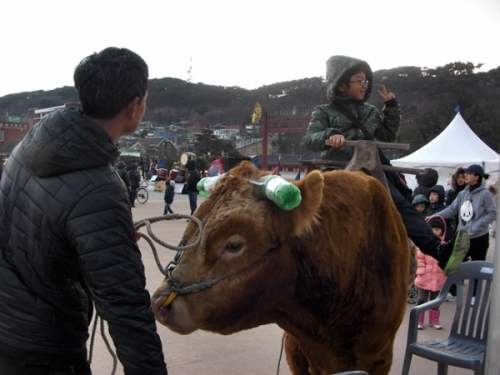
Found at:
[241, 248]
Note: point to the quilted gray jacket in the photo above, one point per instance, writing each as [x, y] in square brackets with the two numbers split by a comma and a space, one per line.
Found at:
[67, 239]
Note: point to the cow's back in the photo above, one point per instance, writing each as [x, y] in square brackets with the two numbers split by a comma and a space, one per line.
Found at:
[356, 269]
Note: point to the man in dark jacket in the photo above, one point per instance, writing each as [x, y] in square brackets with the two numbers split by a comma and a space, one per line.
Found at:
[120, 169]
[135, 181]
[193, 177]
[67, 239]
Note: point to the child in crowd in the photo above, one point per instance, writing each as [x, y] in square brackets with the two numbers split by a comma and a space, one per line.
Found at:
[436, 199]
[421, 204]
[169, 196]
[430, 277]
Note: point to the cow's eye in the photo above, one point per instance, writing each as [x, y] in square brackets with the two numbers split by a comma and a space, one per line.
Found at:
[233, 247]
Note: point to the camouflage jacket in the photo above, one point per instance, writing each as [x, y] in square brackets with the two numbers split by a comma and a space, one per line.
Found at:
[327, 119]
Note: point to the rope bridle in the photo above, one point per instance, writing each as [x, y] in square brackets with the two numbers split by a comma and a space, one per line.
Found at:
[175, 286]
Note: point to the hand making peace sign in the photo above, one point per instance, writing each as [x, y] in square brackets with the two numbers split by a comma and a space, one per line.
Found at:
[386, 95]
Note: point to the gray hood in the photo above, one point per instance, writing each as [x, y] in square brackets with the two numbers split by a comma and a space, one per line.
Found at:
[337, 66]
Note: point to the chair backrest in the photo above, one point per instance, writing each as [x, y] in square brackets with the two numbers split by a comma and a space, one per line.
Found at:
[471, 322]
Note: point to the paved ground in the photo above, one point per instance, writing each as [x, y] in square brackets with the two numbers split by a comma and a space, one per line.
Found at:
[253, 352]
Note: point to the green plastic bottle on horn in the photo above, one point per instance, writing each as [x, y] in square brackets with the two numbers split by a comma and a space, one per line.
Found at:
[285, 194]
[206, 184]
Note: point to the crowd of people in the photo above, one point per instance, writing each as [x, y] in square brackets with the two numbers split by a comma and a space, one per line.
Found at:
[135, 174]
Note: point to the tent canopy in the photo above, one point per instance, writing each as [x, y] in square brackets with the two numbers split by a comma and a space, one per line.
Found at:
[455, 146]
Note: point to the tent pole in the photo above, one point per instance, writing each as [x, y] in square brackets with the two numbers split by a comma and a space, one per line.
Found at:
[492, 360]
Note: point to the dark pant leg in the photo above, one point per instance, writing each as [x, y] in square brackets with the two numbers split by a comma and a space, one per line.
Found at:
[423, 296]
[167, 209]
[132, 195]
[419, 231]
[479, 247]
[477, 251]
[433, 296]
[453, 290]
[192, 202]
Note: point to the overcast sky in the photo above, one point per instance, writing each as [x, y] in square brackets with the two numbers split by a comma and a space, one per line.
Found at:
[240, 43]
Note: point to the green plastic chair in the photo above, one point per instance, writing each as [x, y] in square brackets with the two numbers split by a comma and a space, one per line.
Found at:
[465, 346]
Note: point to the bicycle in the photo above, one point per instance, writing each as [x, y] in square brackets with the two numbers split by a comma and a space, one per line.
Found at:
[142, 195]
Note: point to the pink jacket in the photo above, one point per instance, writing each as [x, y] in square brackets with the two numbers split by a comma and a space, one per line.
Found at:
[429, 275]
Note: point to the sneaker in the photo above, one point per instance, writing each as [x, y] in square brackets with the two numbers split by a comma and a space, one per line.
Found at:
[434, 319]
[452, 253]
[420, 327]
[437, 326]
[450, 298]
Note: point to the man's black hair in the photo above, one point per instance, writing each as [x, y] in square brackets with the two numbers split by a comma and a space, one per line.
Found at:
[107, 81]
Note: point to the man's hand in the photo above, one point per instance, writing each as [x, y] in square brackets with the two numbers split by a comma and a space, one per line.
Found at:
[386, 96]
[337, 140]
[137, 236]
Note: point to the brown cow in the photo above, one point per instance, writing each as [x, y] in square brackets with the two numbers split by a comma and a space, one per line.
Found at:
[332, 272]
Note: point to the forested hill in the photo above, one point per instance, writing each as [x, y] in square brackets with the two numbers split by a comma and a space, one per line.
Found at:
[428, 99]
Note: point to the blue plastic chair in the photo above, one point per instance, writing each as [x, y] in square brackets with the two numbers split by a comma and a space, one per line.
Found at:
[466, 345]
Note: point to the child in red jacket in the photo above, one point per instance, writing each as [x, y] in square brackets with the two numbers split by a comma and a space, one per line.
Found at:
[430, 277]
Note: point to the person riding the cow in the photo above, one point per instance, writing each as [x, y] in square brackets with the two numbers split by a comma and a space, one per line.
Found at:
[349, 85]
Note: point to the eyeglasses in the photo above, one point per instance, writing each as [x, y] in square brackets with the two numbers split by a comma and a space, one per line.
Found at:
[361, 82]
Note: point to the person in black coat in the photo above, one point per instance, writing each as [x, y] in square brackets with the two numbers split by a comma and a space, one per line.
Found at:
[120, 169]
[193, 177]
[135, 180]
[169, 196]
[425, 181]
[67, 238]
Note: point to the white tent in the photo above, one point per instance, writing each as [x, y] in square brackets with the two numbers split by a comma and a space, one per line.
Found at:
[457, 145]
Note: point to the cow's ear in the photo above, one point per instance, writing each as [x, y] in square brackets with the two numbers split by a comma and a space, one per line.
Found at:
[306, 216]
